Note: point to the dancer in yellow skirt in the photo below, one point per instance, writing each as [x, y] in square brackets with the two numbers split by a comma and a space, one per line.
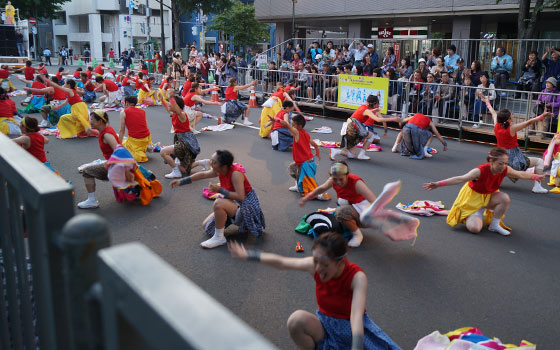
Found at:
[146, 95]
[271, 108]
[139, 137]
[480, 202]
[77, 122]
[166, 89]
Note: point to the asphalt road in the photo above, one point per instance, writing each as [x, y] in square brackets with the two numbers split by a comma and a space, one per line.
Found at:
[505, 286]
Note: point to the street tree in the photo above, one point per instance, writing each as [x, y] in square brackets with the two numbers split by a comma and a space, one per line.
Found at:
[190, 7]
[240, 23]
[528, 17]
[38, 8]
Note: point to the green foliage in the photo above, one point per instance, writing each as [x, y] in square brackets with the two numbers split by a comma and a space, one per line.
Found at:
[239, 21]
[38, 8]
[208, 6]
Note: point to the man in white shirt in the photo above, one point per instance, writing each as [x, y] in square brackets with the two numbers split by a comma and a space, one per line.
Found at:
[359, 53]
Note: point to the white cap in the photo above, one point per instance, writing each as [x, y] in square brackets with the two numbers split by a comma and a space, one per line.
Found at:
[370, 46]
[421, 60]
[318, 56]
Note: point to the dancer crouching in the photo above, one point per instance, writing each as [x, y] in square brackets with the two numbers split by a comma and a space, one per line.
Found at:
[240, 205]
[341, 321]
[480, 200]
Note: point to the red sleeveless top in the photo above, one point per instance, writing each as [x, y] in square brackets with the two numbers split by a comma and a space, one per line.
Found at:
[359, 115]
[348, 192]
[136, 122]
[59, 95]
[188, 99]
[302, 149]
[487, 183]
[225, 180]
[231, 94]
[279, 116]
[111, 86]
[74, 99]
[37, 146]
[334, 297]
[504, 138]
[280, 95]
[105, 148]
[186, 88]
[38, 85]
[178, 126]
[420, 120]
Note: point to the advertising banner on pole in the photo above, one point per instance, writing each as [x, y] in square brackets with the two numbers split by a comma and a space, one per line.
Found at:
[353, 91]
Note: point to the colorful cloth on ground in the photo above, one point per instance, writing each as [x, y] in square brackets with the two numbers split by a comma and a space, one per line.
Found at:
[17, 93]
[322, 221]
[221, 127]
[322, 130]
[467, 203]
[249, 217]
[395, 225]
[467, 338]
[333, 144]
[423, 208]
[206, 193]
[72, 124]
[266, 114]
[138, 147]
[338, 334]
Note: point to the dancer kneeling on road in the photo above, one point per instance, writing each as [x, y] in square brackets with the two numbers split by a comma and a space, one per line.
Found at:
[356, 131]
[76, 123]
[139, 136]
[353, 197]
[190, 100]
[280, 136]
[240, 205]
[480, 202]
[108, 142]
[416, 136]
[234, 107]
[110, 91]
[185, 145]
[341, 321]
[506, 135]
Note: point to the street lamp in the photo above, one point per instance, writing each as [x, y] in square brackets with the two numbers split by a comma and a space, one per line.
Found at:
[294, 18]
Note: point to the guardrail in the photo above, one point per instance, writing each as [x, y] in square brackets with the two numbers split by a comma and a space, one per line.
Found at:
[61, 289]
[320, 91]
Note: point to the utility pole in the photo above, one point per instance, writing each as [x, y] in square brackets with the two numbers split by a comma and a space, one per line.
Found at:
[162, 29]
[148, 19]
[130, 11]
[203, 19]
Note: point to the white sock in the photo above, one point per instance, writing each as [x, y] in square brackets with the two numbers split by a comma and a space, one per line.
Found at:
[91, 196]
[495, 227]
[495, 222]
[218, 232]
[356, 240]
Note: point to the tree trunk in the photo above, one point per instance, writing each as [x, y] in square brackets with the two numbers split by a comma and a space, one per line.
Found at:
[176, 26]
[527, 20]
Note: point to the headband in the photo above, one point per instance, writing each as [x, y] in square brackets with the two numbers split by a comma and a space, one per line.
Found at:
[339, 169]
[324, 257]
[101, 114]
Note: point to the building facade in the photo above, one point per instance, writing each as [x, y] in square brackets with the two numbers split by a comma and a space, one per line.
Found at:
[104, 24]
[364, 19]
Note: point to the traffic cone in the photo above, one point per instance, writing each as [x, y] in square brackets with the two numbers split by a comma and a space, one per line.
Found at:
[215, 97]
[253, 99]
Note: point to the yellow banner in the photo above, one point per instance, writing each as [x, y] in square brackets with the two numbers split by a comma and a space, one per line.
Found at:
[353, 91]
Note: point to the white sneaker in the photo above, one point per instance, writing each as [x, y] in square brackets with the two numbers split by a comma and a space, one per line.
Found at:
[174, 174]
[172, 131]
[88, 204]
[537, 188]
[395, 148]
[294, 188]
[499, 229]
[44, 124]
[426, 153]
[247, 122]
[333, 153]
[362, 155]
[204, 163]
[476, 126]
[213, 242]
[356, 240]
[194, 131]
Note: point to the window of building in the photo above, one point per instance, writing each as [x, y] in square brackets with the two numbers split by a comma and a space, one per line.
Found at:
[60, 18]
[83, 24]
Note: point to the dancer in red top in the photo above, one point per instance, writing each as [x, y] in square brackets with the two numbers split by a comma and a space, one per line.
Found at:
[166, 90]
[234, 107]
[506, 135]
[58, 104]
[108, 142]
[480, 202]
[190, 100]
[111, 92]
[341, 321]
[416, 136]
[33, 141]
[353, 197]
[139, 136]
[239, 206]
[303, 169]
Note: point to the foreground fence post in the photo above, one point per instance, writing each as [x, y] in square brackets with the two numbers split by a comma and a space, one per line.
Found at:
[82, 237]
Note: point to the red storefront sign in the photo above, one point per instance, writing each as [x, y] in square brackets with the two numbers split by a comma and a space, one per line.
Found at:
[397, 49]
[385, 33]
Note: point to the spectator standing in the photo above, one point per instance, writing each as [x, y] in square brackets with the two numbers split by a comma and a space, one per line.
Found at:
[111, 54]
[459, 73]
[287, 56]
[71, 55]
[315, 50]
[530, 79]
[358, 53]
[299, 51]
[64, 55]
[373, 55]
[390, 60]
[47, 54]
[450, 60]
[347, 53]
[19, 43]
[552, 64]
[59, 54]
[501, 67]
[87, 54]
